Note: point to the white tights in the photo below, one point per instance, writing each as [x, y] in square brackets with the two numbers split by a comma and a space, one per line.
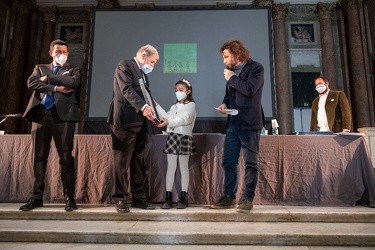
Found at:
[183, 161]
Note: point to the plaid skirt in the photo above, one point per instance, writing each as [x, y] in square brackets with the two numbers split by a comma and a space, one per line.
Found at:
[178, 144]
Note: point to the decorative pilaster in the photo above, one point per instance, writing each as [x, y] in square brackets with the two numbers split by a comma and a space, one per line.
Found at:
[15, 79]
[325, 13]
[343, 48]
[49, 19]
[282, 81]
[357, 65]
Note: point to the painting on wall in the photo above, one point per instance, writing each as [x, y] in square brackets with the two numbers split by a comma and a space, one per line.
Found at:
[302, 33]
[71, 33]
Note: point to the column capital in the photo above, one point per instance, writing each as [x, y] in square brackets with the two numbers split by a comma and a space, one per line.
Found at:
[108, 4]
[87, 11]
[262, 3]
[325, 10]
[280, 11]
[24, 5]
[49, 13]
[349, 4]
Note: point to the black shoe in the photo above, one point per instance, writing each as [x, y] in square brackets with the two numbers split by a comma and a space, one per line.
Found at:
[168, 200]
[31, 204]
[182, 203]
[70, 204]
[225, 202]
[122, 206]
[143, 203]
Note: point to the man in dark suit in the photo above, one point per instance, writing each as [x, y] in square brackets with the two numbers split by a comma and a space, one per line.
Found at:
[53, 111]
[330, 110]
[128, 115]
[244, 84]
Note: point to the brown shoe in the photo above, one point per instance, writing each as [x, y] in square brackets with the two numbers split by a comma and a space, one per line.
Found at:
[244, 206]
[225, 202]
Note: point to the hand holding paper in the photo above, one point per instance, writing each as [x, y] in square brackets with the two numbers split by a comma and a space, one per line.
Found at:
[228, 111]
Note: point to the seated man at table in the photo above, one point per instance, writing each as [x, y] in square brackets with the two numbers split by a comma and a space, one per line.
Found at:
[330, 110]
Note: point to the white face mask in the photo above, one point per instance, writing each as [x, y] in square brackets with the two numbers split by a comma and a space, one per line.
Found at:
[147, 68]
[61, 59]
[180, 95]
[321, 88]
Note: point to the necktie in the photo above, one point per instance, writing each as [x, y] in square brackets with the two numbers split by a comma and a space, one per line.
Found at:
[56, 69]
[48, 98]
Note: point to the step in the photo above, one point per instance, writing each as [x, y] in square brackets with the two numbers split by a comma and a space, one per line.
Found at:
[196, 225]
[260, 213]
[189, 232]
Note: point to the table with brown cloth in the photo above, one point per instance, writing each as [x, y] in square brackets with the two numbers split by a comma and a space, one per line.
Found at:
[310, 170]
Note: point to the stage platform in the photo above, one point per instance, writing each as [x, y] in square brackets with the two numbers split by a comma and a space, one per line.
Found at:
[307, 170]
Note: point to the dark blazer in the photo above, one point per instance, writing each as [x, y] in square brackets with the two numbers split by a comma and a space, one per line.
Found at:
[125, 109]
[337, 109]
[244, 93]
[66, 104]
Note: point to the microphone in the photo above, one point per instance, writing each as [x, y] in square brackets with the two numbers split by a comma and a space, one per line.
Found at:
[231, 68]
[12, 115]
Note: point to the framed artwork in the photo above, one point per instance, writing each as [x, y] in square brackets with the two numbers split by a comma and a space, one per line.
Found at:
[72, 33]
[302, 33]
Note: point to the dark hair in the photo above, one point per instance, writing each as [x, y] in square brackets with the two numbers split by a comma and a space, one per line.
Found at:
[58, 42]
[325, 80]
[187, 84]
[236, 48]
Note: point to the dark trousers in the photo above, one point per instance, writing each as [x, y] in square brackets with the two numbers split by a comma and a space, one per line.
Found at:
[248, 142]
[46, 125]
[128, 154]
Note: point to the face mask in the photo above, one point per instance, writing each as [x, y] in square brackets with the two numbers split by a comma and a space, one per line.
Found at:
[180, 95]
[147, 68]
[61, 59]
[321, 88]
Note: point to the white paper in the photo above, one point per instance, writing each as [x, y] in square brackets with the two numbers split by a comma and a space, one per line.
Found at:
[274, 123]
[229, 111]
[350, 133]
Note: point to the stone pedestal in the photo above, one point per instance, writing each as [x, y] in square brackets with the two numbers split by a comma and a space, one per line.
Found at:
[370, 140]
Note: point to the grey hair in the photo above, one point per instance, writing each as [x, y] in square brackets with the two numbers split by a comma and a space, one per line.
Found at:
[149, 50]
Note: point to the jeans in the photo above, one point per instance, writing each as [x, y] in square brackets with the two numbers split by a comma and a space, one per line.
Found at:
[248, 142]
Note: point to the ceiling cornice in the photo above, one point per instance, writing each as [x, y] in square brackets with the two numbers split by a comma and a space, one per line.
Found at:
[127, 3]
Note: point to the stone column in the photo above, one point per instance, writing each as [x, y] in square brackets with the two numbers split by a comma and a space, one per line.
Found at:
[325, 11]
[357, 72]
[282, 81]
[49, 20]
[15, 80]
[343, 50]
[85, 69]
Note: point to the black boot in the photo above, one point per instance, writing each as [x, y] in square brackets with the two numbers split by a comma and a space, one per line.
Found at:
[168, 200]
[182, 203]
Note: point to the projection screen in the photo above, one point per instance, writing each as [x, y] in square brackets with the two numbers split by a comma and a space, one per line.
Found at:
[188, 42]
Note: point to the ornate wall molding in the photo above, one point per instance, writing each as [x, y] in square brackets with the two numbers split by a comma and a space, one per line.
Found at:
[302, 12]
